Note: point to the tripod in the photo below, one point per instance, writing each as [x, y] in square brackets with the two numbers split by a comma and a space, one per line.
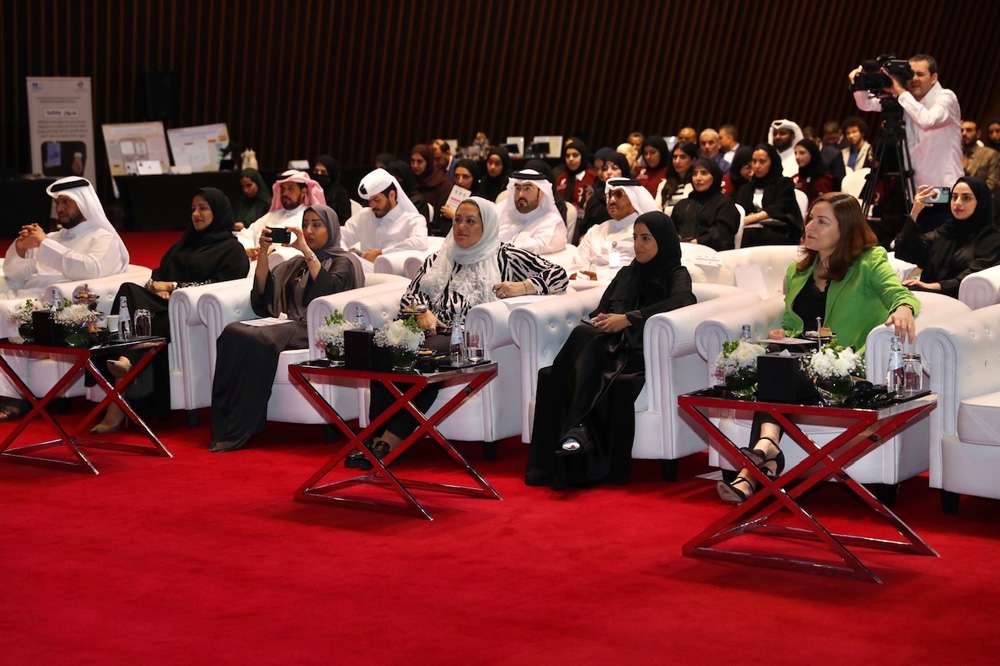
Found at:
[897, 201]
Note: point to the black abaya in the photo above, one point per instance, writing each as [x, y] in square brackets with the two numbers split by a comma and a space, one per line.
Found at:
[589, 391]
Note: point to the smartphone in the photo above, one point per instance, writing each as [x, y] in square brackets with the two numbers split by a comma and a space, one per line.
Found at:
[280, 235]
[587, 320]
[941, 195]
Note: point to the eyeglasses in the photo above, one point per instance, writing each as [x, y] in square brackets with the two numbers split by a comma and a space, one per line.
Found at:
[616, 194]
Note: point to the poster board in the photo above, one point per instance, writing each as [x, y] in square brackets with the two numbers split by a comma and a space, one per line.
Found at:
[129, 143]
[198, 147]
[61, 126]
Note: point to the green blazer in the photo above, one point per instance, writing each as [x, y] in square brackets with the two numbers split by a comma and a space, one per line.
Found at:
[856, 304]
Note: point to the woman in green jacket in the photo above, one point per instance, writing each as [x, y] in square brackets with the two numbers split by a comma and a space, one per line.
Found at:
[846, 280]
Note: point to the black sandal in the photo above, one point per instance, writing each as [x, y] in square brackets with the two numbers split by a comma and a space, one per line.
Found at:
[13, 409]
[760, 460]
[728, 492]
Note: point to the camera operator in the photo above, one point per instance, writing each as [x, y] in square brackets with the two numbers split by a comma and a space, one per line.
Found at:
[933, 130]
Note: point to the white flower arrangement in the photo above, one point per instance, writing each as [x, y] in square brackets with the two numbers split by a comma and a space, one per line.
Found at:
[833, 361]
[76, 315]
[21, 314]
[332, 331]
[738, 355]
[401, 333]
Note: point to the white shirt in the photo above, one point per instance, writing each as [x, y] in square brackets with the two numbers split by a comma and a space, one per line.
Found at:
[682, 193]
[729, 155]
[789, 167]
[398, 230]
[933, 133]
[83, 252]
[596, 246]
[540, 231]
[250, 236]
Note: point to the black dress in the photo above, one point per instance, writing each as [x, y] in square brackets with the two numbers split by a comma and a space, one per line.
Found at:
[710, 217]
[589, 391]
[211, 255]
[247, 356]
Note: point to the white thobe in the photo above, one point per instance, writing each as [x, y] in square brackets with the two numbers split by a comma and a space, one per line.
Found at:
[596, 246]
[789, 167]
[540, 231]
[85, 251]
[397, 230]
[933, 133]
[281, 218]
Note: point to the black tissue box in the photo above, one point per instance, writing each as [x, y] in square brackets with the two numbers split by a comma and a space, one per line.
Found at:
[361, 352]
[47, 331]
[782, 379]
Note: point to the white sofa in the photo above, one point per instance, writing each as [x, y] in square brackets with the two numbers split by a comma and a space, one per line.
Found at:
[902, 457]
[960, 354]
[673, 367]
[223, 306]
[981, 289]
[407, 262]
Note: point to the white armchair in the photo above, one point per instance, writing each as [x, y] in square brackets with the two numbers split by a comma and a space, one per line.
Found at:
[407, 262]
[902, 457]
[493, 413]
[223, 306]
[673, 367]
[981, 289]
[960, 355]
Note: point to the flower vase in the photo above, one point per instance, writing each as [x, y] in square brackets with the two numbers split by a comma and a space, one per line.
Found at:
[334, 353]
[77, 336]
[742, 383]
[402, 358]
[834, 390]
[27, 332]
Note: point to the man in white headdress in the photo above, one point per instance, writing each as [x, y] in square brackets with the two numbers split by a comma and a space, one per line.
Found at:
[391, 222]
[86, 246]
[529, 218]
[608, 246]
[293, 192]
[783, 135]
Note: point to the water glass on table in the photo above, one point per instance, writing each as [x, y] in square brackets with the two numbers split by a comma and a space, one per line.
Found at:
[474, 346]
[143, 323]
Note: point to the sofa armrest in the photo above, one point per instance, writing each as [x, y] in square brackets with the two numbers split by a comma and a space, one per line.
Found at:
[219, 307]
[379, 307]
[981, 289]
[106, 287]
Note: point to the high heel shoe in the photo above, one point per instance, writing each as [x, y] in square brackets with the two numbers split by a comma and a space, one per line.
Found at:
[728, 492]
[113, 421]
[764, 463]
[119, 368]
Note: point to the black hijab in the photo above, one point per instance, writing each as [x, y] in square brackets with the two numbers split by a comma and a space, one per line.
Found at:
[207, 255]
[713, 168]
[660, 144]
[333, 176]
[638, 285]
[774, 172]
[581, 148]
[401, 171]
[741, 158]
[622, 162]
[249, 210]
[477, 176]
[493, 187]
[815, 168]
[981, 218]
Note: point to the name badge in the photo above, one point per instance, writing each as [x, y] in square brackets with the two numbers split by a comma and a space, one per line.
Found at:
[615, 259]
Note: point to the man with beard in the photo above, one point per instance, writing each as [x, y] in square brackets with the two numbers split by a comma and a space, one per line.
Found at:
[979, 161]
[783, 135]
[608, 246]
[390, 223]
[294, 191]
[529, 218]
[86, 245]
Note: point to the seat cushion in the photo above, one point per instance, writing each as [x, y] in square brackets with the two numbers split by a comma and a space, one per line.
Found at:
[979, 420]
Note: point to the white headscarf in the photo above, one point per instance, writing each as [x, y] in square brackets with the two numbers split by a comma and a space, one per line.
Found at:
[546, 205]
[480, 266]
[377, 182]
[82, 193]
[640, 197]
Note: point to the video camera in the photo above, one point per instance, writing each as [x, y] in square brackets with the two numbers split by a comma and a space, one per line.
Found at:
[872, 79]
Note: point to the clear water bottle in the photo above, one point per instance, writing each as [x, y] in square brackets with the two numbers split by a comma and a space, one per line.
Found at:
[53, 297]
[745, 335]
[894, 382]
[124, 320]
[360, 321]
[457, 346]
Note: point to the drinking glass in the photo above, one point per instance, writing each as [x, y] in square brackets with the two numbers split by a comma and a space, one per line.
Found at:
[473, 346]
[142, 325]
[913, 374]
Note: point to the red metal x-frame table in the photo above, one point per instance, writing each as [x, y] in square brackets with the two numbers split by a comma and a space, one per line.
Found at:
[866, 430]
[474, 377]
[83, 360]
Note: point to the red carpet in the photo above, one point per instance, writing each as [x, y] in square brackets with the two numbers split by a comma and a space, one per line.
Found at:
[205, 558]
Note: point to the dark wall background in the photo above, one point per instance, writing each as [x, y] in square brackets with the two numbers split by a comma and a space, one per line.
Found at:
[294, 79]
